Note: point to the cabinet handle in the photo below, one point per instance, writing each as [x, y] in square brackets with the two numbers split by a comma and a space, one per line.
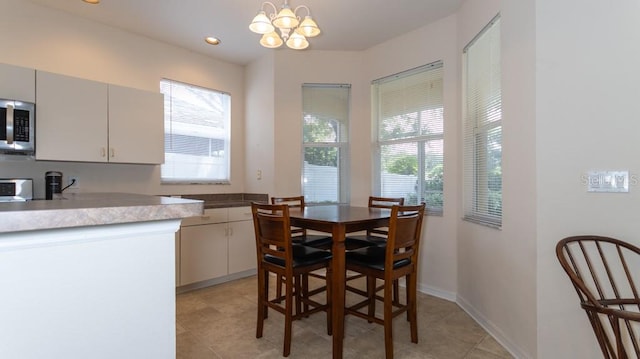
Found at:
[103, 152]
[230, 232]
[113, 152]
[9, 124]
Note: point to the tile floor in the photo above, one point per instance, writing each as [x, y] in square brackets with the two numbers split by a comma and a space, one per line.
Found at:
[219, 322]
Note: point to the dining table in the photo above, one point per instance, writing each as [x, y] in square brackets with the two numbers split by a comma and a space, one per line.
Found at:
[338, 220]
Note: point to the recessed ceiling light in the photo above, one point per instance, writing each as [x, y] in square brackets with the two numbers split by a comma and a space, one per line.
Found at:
[92, 1]
[212, 40]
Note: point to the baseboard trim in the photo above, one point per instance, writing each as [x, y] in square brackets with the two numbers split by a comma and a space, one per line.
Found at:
[436, 292]
[214, 281]
[492, 329]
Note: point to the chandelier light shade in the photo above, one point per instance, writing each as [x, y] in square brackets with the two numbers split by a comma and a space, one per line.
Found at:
[271, 40]
[261, 24]
[297, 41]
[291, 30]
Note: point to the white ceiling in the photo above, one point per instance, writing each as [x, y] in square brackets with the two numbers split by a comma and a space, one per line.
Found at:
[345, 24]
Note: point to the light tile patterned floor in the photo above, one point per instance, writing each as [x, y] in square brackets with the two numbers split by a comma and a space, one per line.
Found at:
[220, 321]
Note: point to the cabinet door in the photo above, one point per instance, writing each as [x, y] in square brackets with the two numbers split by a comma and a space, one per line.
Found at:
[203, 252]
[136, 126]
[242, 243]
[242, 247]
[17, 83]
[71, 118]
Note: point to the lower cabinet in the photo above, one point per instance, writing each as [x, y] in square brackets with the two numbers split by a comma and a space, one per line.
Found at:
[215, 247]
[242, 246]
[203, 252]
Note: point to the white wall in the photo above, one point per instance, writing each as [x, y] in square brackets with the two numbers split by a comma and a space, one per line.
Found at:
[259, 127]
[587, 119]
[54, 41]
[497, 268]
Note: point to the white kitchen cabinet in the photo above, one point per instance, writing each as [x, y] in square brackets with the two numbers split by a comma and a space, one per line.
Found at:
[17, 83]
[242, 242]
[216, 246]
[136, 126]
[90, 121]
[71, 118]
[204, 252]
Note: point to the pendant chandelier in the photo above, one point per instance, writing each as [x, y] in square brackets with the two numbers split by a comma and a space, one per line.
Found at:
[293, 32]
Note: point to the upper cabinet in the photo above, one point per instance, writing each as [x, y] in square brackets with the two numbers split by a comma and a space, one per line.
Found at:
[17, 83]
[136, 126]
[89, 121]
[71, 118]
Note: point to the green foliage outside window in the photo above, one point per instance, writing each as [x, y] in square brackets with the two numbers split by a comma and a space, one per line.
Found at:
[405, 165]
[318, 130]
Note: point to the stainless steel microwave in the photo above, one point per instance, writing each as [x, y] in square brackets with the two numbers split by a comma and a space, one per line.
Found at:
[17, 127]
[16, 189]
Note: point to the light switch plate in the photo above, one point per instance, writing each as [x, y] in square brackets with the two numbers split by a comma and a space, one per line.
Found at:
[608, 181]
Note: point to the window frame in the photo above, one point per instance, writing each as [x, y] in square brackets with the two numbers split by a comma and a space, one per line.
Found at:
[341, 144]
[420, 140]
[226, 139]
[478, 130]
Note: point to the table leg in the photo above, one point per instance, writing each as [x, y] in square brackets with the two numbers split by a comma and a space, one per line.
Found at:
[338, 292]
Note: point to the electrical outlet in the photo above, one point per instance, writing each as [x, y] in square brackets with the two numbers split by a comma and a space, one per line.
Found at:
[73, 182]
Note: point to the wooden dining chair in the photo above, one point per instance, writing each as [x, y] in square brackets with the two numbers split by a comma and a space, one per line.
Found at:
[300, 235]
[603, 272]
[374, 236]
[277, 254]
[389, 262]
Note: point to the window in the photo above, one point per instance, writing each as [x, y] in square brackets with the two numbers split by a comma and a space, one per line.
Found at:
[409, 118]
[196, 134]
[483, 128]
[325, 143]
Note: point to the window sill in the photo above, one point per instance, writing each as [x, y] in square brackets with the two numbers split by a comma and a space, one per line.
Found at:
[483, 222]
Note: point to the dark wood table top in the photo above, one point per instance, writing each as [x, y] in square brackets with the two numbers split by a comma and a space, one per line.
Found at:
[323, 218]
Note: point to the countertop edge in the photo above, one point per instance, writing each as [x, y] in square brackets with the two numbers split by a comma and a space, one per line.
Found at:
[94, 210]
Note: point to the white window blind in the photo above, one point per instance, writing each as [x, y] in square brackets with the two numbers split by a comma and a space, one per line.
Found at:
[409, 117]
[197, 134]
[483, 128]
[325, 142]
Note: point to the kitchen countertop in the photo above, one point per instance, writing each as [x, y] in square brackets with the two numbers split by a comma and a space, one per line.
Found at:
[91, 209]
[224, 200]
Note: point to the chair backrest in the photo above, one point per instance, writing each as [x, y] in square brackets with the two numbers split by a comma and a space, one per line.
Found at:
[385, 202]
[603, 271]
[295, 202]
[292, 202]
[405, 230]
[272, 229]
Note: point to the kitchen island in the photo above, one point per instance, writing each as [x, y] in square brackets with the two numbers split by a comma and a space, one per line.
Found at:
[90, 276]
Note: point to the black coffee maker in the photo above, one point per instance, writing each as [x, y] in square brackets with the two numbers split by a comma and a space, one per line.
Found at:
[53, 184]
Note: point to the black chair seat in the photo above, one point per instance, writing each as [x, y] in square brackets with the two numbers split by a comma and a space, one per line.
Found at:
[313, 240]
[302, 256]
[373, 257]
[364, 240]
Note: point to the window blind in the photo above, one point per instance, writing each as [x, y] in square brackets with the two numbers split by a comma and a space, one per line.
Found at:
[197, 134]
[483, 127]
[325, 142]
[409, 117]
